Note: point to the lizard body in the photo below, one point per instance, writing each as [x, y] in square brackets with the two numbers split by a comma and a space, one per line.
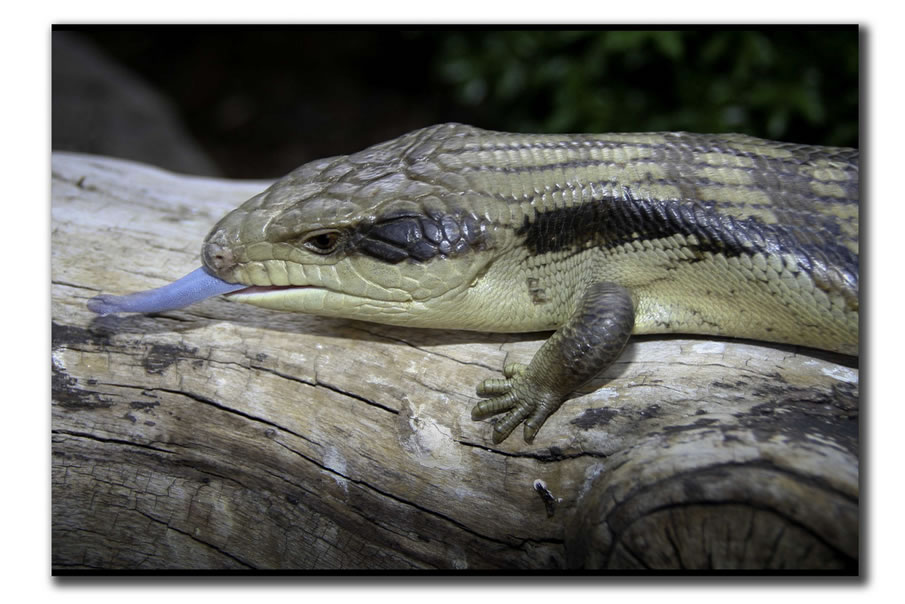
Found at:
[594, 236]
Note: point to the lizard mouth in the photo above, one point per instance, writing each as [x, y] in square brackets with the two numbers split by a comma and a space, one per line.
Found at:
[194, 287]
[263, 289]
[201, 284]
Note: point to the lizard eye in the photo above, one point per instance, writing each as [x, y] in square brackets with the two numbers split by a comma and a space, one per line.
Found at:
[322, 242]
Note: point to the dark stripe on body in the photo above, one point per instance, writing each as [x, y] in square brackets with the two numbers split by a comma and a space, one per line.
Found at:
[615, 221]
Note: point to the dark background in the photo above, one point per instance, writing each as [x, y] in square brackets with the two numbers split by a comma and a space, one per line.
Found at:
[256, 102]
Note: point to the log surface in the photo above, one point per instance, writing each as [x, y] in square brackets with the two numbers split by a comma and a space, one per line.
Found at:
[224, 436]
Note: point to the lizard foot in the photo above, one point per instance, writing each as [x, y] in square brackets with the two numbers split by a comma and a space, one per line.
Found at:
[589, 341]
[520, 398]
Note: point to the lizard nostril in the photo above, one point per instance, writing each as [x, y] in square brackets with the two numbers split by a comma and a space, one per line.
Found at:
[217, 257]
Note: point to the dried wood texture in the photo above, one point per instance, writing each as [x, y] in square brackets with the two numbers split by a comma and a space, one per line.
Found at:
[225, 436]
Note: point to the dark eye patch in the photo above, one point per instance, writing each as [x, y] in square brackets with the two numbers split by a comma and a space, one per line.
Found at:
[420, 238]
[382, 250]
[403, 232]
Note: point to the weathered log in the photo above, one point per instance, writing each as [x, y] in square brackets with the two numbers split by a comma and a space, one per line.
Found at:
[228, 436]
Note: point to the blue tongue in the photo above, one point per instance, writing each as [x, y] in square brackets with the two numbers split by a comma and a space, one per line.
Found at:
[194, 287]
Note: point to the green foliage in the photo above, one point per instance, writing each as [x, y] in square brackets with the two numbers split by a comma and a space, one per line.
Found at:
[782, 84]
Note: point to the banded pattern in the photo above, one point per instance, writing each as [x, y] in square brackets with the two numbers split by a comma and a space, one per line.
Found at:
[778, 183]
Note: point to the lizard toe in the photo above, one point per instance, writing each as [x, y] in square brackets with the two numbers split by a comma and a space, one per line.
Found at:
[494, 406]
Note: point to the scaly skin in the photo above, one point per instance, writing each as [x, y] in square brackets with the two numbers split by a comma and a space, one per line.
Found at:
[595, 236]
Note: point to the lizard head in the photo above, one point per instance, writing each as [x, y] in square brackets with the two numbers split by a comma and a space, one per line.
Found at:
[371, 236]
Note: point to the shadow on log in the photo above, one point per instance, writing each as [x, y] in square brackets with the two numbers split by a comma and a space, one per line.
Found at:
[224, 436]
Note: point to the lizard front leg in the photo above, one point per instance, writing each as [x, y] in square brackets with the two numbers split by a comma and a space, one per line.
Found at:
[592, 338]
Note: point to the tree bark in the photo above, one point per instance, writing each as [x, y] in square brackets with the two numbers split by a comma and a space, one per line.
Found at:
[224, 436]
